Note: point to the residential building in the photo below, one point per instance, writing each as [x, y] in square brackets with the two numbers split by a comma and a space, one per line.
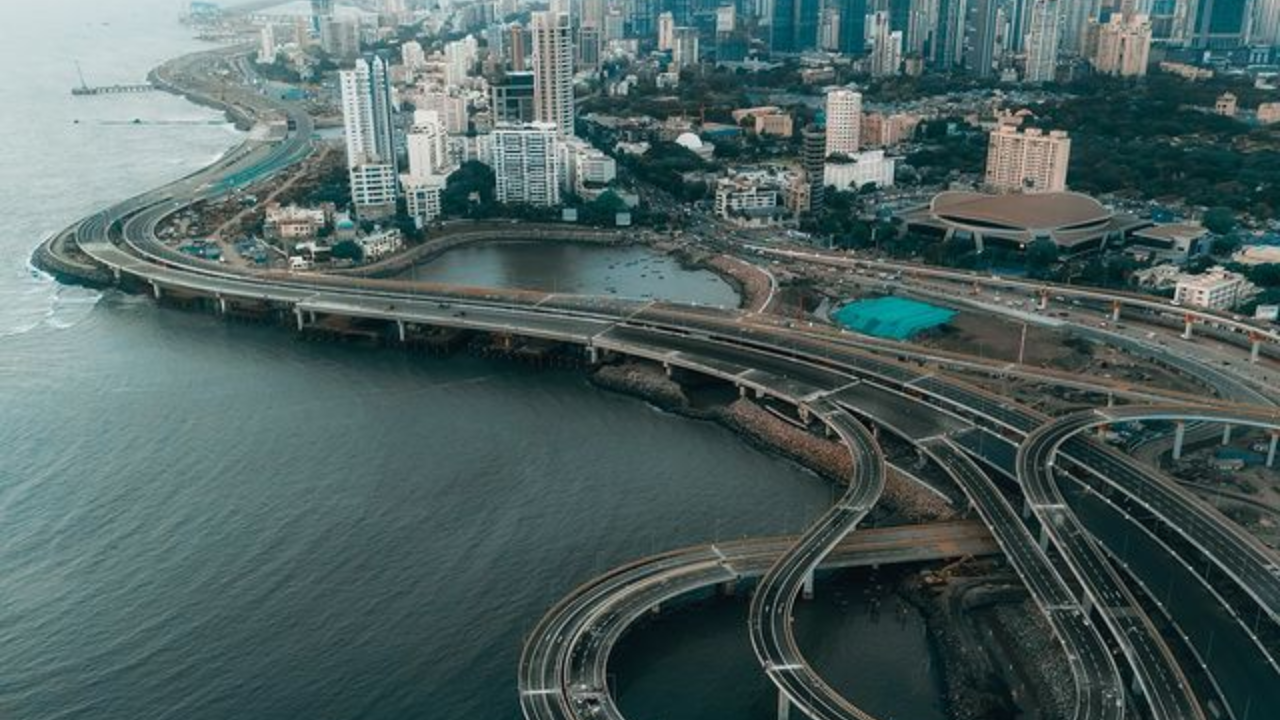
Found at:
[379, 244]
[1124, 46]
[1027, 161]
[422, 197]
[844, 121]
[1269, 113]
[428, 145]
[746, 202]
[684, 50]
[340, 39]
[413, 56]
[882, 131]
[368, 127]
[553, 70]
[1216, 289]
[1226, 105]
[460, 57]
[886, 47]
[525, 163]
[586, 170]
[1043, 34]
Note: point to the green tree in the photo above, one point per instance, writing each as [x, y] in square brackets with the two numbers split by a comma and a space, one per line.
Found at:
[1220, 220]
[348, 250]
[1041, 255]
[472, 177]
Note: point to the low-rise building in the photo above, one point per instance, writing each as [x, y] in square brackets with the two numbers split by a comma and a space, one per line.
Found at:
[380, 243]
[1216, 289]
[291, 222]
[1227, 105]
[853, 172]
[422, 196]
[1257, 255]
[747, 202]
[1269, 113]
[1175, 242]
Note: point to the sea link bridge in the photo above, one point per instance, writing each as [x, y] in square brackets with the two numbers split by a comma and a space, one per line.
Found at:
[1019, 474]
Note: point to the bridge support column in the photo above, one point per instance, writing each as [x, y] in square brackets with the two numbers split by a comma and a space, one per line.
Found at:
[115, 272]
[400, 329]
[729, 588]
[1226, 434]
[804, 414]
[593, 355]
[784, 707]
[155, 290]
[1044, 538]
[806, 592]
[666, 366]
[297, 313]
[1271, 449]
[1179, 435]
[1044, 300]
[222, 306]
[1026, 508]
[1186, 331]
[1115, 311]
[742, 391]
[1255, 349]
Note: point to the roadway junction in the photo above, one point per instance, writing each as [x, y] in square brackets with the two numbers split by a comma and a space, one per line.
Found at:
[1016, 468]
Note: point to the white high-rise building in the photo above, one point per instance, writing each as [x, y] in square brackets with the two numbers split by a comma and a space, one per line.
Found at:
[1029, 161]
[368, 126]
[844, 121]
[267, 47]
[1124, 46]
[460, 58]
[553, 70]
[412, 56]
[1264, 28]
[886, 46]
[666, 31]
[526, 164]
[1042, 41]
[428, 145]
[684, 52]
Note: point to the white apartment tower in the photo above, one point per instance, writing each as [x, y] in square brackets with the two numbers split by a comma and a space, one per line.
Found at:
[844, 121]
[886, 46]
[368, 128]
[1043, 33]
[1030, 161]
[553, 70]
[428, 145]
[526, 164]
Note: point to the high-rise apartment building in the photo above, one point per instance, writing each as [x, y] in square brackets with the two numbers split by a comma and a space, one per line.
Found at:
[684, 51]
[852, 26]
[321, 12]
[526, 164]
[886, 47]
[1042, 41]
[1030, 161]
[1124, 46]
[844, 121]
[553, 70]
[517, 47]
[368, 126]
[428, 145]
[794, 25]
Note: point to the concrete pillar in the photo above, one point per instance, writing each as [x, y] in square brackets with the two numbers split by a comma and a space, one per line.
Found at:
[593, 355]
[400, 329]
[1226, 434]
[311, 316]
[155, 289]
[1271, 450]
[1186, 332]
[804, 414]
[742, 391]
[807, 591]
[667, 367]
[729, 588]
[1044, 538]
[1254, 350]
[784, 707]
[297, 312]
[1115, 311]
[115, 272]
[1087, 604]
[222, 306]
[1026, 508]
[1179, 434]
[1044, 300]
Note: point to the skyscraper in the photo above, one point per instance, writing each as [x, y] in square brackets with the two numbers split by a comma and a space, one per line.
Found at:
[844, 121]
[815, 162]
[853, 24]
[553, 70]
[886, 46]
[1042, 41]
[1124, 46]
[794, 26]
[1219, 23]
[1073, 22]
[368, 126]
[666, 31]
[983, 43]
